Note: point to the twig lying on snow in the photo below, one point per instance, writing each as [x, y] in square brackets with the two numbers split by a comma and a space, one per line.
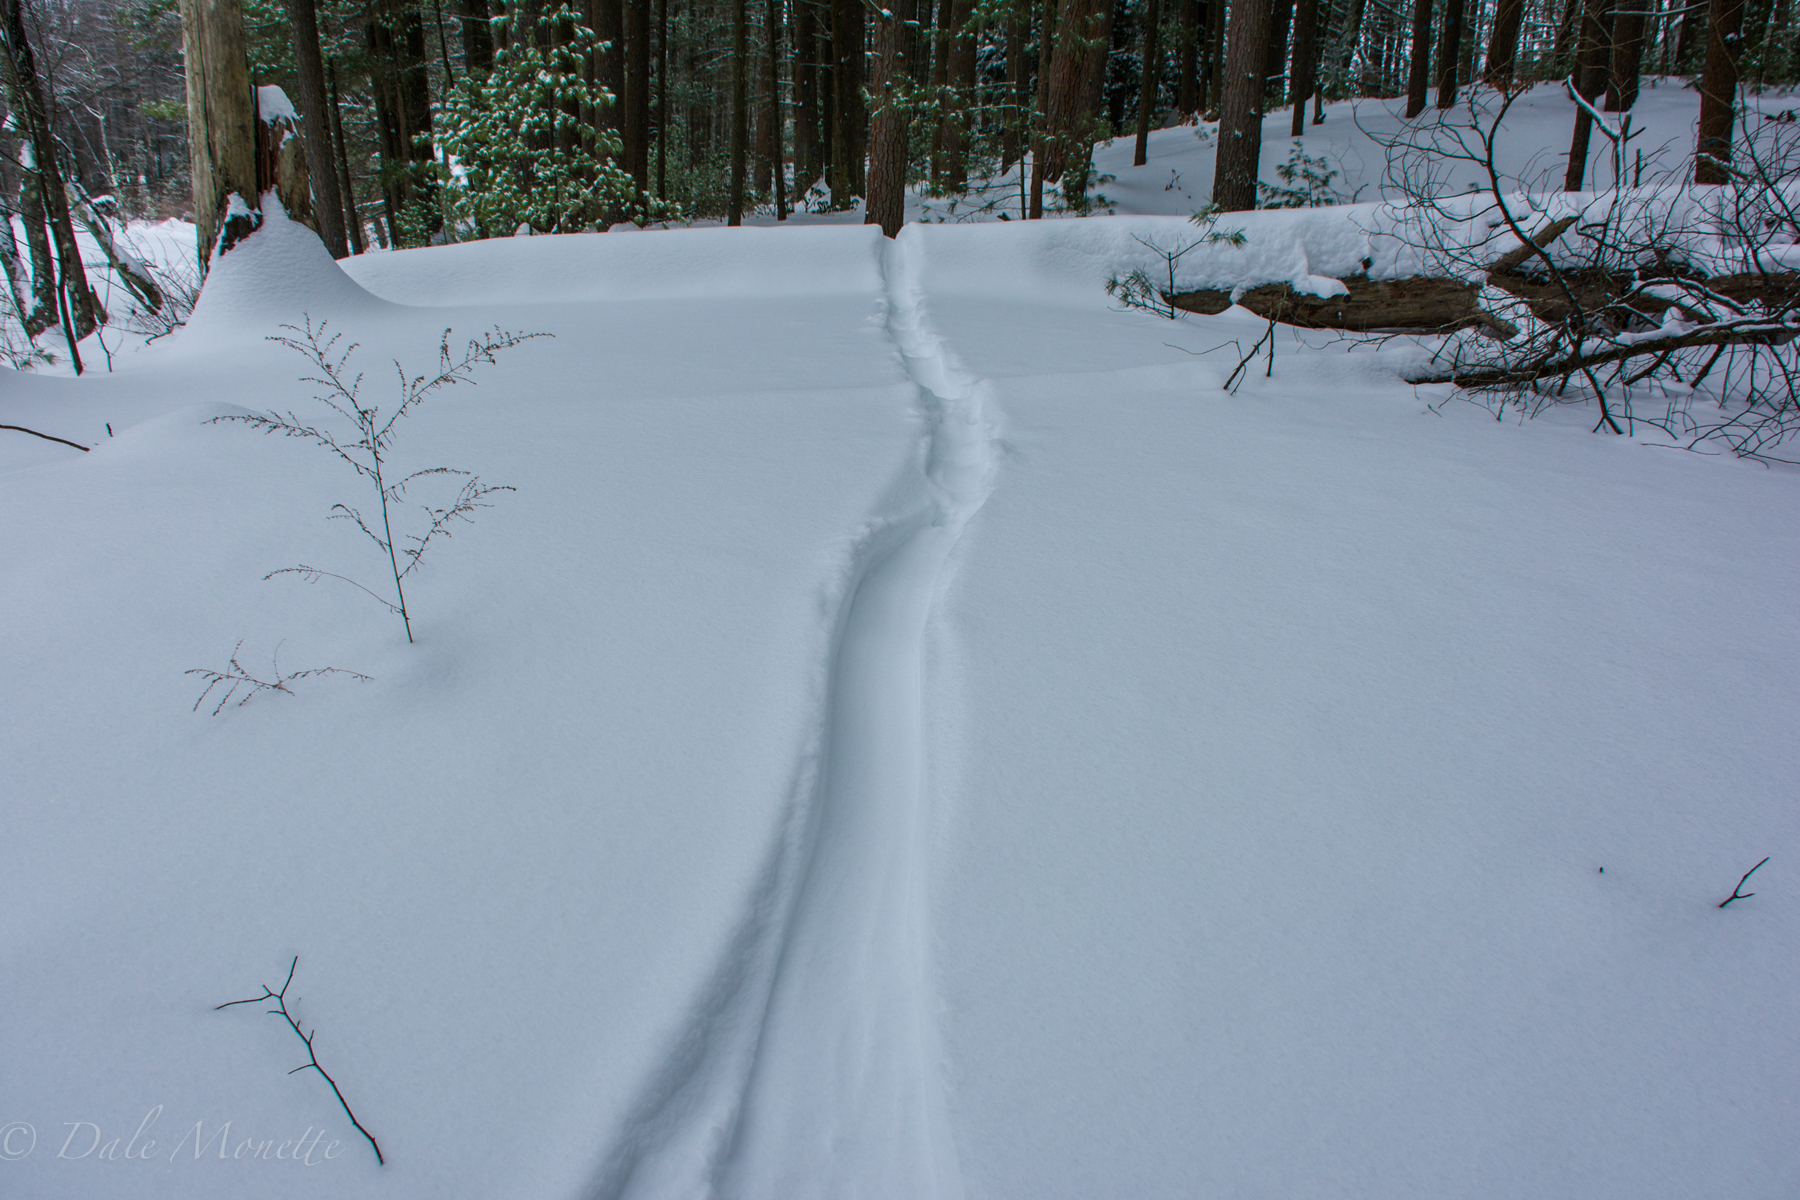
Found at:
[45, 436]
[1740, 885]
[237, 678]
[281, 1010]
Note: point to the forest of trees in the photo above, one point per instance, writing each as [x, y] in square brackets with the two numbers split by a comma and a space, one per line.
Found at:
[597, 111]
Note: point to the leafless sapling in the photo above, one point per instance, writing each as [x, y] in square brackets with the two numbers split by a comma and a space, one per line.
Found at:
[369, 450]
[312, 1055]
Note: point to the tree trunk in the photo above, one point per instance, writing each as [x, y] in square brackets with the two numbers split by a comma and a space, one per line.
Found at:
[1150, 69]
[1305, 30]
[1040, 110]
[779, 171]
[637, 95]
[1187, 57]
[806, 102]
[43, 313]
[1012, 108]
[221, 124]
[1627, 57]
[888, 129]
[1275, 85]
[309, 81]
[1503, 43]
[1418, 77]
[849, 135]
[1450, 53]
[1240, 108]
[477, 36]
[1592, 55]
[962, 90]
[1718, 92]
[1065, 105]
[1093, 84]
[740, 110]
[662, 99]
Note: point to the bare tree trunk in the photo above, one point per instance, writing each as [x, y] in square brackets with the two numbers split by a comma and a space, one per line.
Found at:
[635, 117]
[1187, 58]
[44, 312]
[1305, 28]
[1013, 112]
[1627, 57]
[888, 126]
[1503, 43]
[1418, 78]
[806, 103]
[1718, 92]
[1275, 72]
[1040, 112]
[309, 79]
[662, 99]
[1450, 53]
[1240, 108]
[850, 118]
[1079, 171]
[1150, 69]
[740, 111]
[1592, 54]
[779, 171]
[962, 89]
[221, 124]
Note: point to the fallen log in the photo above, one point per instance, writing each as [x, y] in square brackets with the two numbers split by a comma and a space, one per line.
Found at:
[1421, 303]
[1746, 332]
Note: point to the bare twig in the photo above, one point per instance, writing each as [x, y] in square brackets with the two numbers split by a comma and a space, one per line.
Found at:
[45, 436]
[312, 1063]
[237, 679]
[1738, 893]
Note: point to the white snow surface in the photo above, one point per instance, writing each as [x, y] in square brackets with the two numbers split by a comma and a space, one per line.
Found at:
[910, 734]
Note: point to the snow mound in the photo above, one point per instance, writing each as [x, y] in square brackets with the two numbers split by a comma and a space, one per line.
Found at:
[280, 273]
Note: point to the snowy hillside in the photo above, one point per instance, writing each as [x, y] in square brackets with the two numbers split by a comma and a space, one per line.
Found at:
[911, 733]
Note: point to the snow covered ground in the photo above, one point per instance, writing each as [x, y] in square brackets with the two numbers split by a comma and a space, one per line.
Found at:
[911, 733]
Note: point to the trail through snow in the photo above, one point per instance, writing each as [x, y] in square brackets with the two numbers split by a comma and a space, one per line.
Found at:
[811, 1066]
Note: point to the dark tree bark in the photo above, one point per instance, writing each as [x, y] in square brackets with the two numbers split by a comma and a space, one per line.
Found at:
[1147, 78]
[309, 80]
[636, 115]
[850, 125]
[806, 99]
[1503, 43]
[888, 127]
[662, 99]
[477, 36]
[1187, 58]
[1418, 76]
[1150, 68]
[1077, 30]
[1040, 109]
[740, 110]
[1450, 53]
[1017, 92]
[1212, 69]
[607, 19]
[1081, 154]
[352, 219]
[1240, 108]
[772, 19]
[1592, 55]
[1566, 31]
[1718, 91]
[962, 89]
[1305, 29]
[1275, 71]
[400, 80]
[1627, 57]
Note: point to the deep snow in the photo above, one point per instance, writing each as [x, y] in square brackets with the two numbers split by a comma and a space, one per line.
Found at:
[911, 734]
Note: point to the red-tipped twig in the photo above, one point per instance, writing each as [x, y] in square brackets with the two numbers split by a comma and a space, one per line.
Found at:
[1738, 893]
[312, 1063]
